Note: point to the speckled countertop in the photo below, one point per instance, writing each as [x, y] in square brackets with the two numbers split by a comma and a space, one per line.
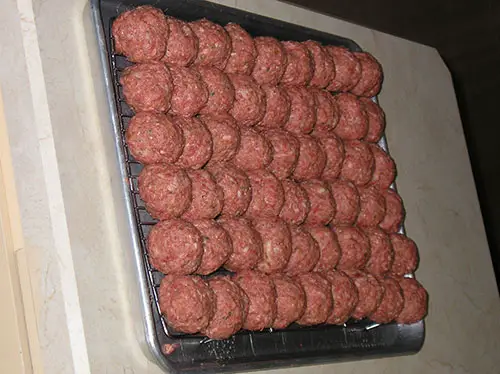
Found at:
[73, 218]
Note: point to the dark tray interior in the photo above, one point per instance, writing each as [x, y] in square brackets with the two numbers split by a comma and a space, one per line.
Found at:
[246, 350]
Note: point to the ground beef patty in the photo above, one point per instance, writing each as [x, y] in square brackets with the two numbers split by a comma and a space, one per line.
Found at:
[187, 302]
[255, 151]
[327, 111]
[208, 197]
[230, 308]
[182, 43]
[277, 107]
[372, 206]
[347, 69]
[322, 204]
[249, 104]
[405, 254]
[296, 205]
[355, 247]
[353, 121]
[392, 302]
[347, 202]
[334, 152]
[220, 90]
[311, 161]
[141, 34]
[217, 246]
[358, 162]
[345, 296]
[271, 61]
[175, 247]
[225, 135]
[305, 252]
[370, 293]
[299, 67]
[371, 74]
[376, 120]
[267, 194]
[329, 247]
[165, 190]
[152, 138]
[302, 110]
[415, 301]
[235, 186]
[285, 152]
[247, 244]
[394, 212]
[384, 171]
[190, 93]
[276, 242]
[382, 254]
[319, 301]
[290, 300]
[261, 299]
[147, 87]
[197, 143]
[322, 63]
[214, 43]
[243, 52]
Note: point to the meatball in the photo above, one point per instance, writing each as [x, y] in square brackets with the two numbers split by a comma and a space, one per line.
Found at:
[217, 246]
[355, 247]
[208, 197]
[311, 161]
[249, 104]
[392, 302]
[347, 69]
[319, 301]
[276, 242]
[305, 252]
[182, 43]
[405, 254]
[358, 162]
[267, 194]
[243, 53]
[334, 152]
[255, 151]
[372, 207]
[322, 63]
[296, 205]
[384, 170]
[376, 120]
[290, 300]
[198, 143]
[353, 121]
[299, 67]
[277, 108]
[214, 43]
[345, 297]
[371, 74]
[327, 112]
[370, 293]
[322, 204]
[271, 61]
[190, 92]
[394, 212]
[382, 254]
[225, 136]
[220, 90]
[415, 301]
[285, 148]
[347, 202]
[302, 110]
[329, 247]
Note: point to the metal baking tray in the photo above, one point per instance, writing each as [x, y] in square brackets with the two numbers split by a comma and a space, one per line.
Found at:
[246, 350]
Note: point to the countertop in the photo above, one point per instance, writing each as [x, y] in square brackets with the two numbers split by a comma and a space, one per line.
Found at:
[73, 217]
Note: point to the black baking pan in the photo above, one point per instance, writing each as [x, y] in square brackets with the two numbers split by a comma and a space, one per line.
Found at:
[244, 351]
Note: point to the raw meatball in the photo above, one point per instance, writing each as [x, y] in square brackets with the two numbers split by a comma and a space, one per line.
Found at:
[322, 62]
[230, 308]
[271, 61]
[198, 143]
[334, 152]
[285, 152]
[347, 69]
[384, 171]
[208, 197]
[296, 206]
[312, 159]
[249, 102]
[358, 162]
[235, 186]
[302, 110]
[371, 74]
[394, 212]
[217, 246]
[319, 301]
[347, 202]
[299, 67]
[305, 252]
[329, 247]
[190, 93]
[152, 138]
[374, 91]
[355, 247]
[165, 189]
[175, 247]
[261, 299]
[220, 90]
[277, 107]
[186, 302]
[372, 207]
[405, 254]
[276, 242]
[255, 151]
[370, 293]
[376, 120]
[147, 87]
[353, 121]
[247, 244]
[345, 297]
[243, 53]
[225, 135]
[392, 302]
[267, 194]
[214, 43]
[322, 204]
[415, 304]
[182, 43]
[382, 254]
[327, 112]
[290, 301]
[141, 34]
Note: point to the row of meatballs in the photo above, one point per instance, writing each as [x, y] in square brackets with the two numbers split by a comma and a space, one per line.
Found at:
[145, 35]
[250, 300]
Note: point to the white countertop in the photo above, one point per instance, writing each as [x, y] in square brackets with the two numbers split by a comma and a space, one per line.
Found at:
[74, 221]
